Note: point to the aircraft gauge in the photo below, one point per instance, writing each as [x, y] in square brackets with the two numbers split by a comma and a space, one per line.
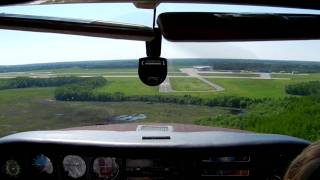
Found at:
[75, 166]
[42, 164]
[106, 168]
[12, 168]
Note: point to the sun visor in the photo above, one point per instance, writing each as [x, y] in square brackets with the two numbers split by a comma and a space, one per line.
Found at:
[76, 27]
[225, 27]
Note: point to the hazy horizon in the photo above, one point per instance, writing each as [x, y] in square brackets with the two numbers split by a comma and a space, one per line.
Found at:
[171, 59]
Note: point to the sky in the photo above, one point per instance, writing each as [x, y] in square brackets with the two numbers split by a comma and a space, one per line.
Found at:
[18, 47]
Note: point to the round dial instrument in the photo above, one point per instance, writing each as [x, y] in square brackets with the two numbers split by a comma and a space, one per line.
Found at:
[12, 168]
[106, 168]
[42, 164]
[75, 166]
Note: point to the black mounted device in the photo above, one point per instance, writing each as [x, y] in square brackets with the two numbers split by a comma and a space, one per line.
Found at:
[153, 69]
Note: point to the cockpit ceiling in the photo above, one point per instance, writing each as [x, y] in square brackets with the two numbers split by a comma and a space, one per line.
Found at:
[150, 4]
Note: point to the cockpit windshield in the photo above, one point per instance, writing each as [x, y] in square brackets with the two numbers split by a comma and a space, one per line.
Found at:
[54, 81]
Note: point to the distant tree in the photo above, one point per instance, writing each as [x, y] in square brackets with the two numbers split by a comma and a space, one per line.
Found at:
[304, 88]
[27, 82]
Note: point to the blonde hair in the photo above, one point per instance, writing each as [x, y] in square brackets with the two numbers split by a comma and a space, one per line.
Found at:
[306, 164]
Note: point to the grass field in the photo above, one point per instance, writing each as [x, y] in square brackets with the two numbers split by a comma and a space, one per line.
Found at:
[74, 72]
[128, 86]
[86, 72]
[189, 84]
[91, 70]
[177, 74]
[97, 70]
[255, 88]
[259, 88]
[298, 77]
[230, 74]
[35, 109]
[233, 87]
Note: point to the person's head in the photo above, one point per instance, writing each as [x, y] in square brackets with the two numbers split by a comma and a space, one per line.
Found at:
[306, 166]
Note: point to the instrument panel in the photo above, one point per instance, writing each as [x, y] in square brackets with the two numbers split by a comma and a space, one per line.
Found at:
[73, 166]
[86, 155]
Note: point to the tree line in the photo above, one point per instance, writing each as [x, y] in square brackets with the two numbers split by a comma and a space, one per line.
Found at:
[76, 92]
[27, 82]
[304, 88]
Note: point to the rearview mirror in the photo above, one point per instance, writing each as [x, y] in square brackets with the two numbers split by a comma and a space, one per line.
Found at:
[197, 27]
[152, 70]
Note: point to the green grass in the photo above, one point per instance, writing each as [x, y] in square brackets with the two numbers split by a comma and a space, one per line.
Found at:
[230, 74]
[128, 86]
[91, 70]
[35, 109]
[189, 84]
[298, 77]
[260, 88]
[95, 70]
[177, 74]
[133, 86]
[256, 88]
[75, 72]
